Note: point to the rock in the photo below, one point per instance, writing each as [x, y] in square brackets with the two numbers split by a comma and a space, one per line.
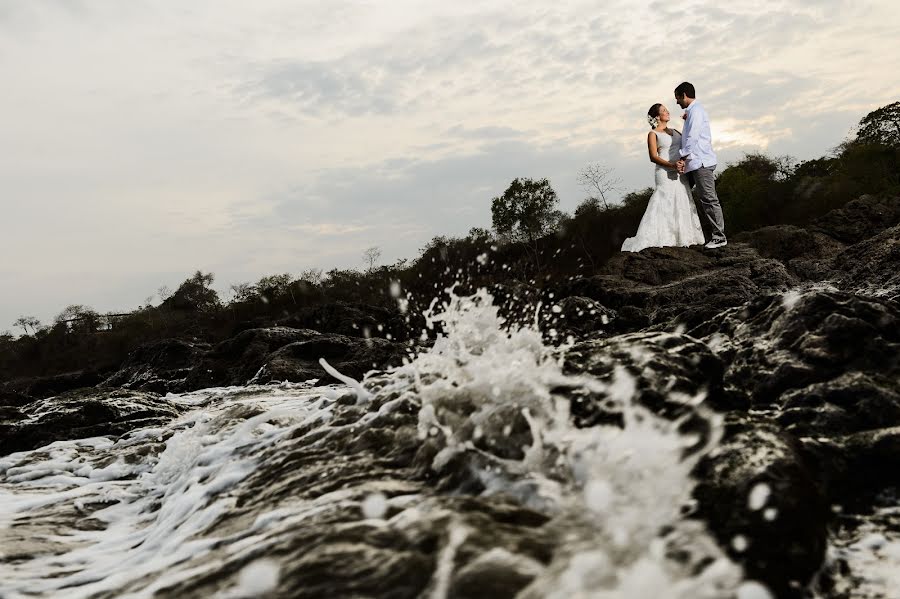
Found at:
[705, 284]
[160, 366]
[780, 343]
[787, 242]
[60, 383]
[280, 353]
[872, 267]
[860, 219]
[872, 465]
[672, 371]
[351, 356]
[805, 253]
[763, 504]
[350, 319]
[14, 398]
[81, 414]
[236, 360]
[579, 316]
[850, 403]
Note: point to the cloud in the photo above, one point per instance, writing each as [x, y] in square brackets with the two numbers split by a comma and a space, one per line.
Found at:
[159, 137]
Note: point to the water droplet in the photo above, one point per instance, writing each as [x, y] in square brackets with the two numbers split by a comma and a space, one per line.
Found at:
[374, 506]
[758, 497]
[740, 544]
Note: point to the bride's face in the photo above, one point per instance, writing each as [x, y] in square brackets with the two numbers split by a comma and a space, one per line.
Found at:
[663, 114]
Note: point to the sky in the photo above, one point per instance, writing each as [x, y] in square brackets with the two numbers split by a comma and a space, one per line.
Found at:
[144, 140]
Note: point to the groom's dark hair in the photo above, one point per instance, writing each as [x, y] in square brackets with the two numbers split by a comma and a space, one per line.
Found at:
[685, 89]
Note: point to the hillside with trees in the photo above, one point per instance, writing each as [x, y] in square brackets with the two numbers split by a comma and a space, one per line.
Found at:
[533, 246]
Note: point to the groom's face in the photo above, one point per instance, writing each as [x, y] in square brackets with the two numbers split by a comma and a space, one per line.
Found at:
[681, 101]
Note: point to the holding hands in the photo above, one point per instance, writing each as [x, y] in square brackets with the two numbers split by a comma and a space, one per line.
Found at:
[680, 166]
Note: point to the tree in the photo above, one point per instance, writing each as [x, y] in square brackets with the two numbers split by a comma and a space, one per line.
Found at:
[79, 318]
[480, 234]
[195, 294]
[526, 211]
[599, 182]
[27, 321]
[243, 292]
[274, 285]
[314, 276]
[164, 293]
[881, 127]
[371, 256]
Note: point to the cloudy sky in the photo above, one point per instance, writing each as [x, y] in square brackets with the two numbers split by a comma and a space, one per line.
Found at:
[143, 140]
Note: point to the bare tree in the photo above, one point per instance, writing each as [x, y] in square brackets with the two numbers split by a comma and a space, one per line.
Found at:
[164, 293]
[27, 321]
[371, 256]
[599, 182]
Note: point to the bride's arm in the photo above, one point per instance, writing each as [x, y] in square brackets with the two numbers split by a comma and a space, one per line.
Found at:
[654, 152]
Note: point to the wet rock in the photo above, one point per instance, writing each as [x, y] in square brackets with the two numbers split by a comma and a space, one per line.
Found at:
[872, 465]
[850, 403]
[81, 414]
[673, 372]
[236, 360]
[351, 356]
[780, 343]
[60, 383]
[580, 317]
[160, 366]
[872, 267]
[860, 219]
[764, 505]
[14, 398]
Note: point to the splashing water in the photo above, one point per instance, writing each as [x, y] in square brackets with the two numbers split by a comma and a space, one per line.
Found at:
[168, 506]
[499, 396]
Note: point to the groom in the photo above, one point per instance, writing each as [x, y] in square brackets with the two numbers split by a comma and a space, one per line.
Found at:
[698, 160]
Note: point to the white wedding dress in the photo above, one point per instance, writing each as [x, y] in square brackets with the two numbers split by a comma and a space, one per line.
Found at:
[671, 217]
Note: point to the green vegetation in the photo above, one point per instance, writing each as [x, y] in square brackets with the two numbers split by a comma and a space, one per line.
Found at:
[532, 243]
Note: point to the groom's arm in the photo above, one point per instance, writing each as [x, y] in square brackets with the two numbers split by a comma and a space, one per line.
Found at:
[692, 127]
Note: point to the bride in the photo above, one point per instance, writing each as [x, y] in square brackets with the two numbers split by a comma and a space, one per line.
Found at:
[671, 216]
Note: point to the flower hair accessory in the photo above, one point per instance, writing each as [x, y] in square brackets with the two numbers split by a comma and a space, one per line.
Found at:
[653, 120]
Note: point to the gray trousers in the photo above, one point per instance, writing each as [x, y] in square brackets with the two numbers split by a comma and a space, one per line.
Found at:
[704, 183]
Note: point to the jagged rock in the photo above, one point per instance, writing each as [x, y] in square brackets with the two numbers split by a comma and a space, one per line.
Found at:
[860, 219]
[60, 383]
[160, 366]
[350, 319]
[764, 505]
[672, 372]
[14, 398]
[580, 316]
[847, 404]
[236, 360]
[872, 465]
[805, 253]
[351, 356]
[780, 343]
[81, 414]
[280, 353]
[872, 267]
[690, 287]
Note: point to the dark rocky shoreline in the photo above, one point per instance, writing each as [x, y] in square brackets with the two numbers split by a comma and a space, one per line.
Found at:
[793, 333]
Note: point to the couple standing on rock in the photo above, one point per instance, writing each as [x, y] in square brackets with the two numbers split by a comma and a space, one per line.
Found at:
[683, 161]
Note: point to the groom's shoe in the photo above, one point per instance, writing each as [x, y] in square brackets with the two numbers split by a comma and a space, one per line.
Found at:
[716, 243]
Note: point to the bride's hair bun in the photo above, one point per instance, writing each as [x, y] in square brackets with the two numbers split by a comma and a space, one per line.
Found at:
[653, 115]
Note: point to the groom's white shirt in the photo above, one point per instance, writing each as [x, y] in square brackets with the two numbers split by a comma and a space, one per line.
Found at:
[696, 140]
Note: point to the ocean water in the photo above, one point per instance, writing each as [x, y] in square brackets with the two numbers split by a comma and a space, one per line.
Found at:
[297, 490]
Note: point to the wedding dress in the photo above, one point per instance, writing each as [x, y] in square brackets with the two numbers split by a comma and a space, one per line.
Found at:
[671, 216]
